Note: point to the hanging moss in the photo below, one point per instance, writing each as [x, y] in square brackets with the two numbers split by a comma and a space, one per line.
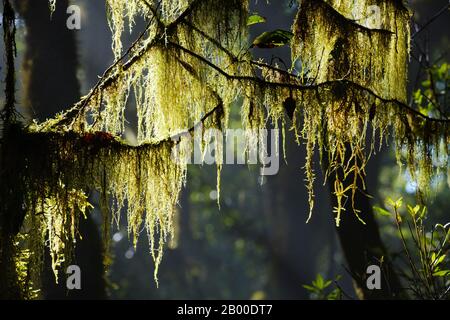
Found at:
[184, 71]
[143, 181]
[335, 49]
[52, 5]
[80, 150]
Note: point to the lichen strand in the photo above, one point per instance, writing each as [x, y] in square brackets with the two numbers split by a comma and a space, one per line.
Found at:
[52, 5]
[185, 74]
[354, 63]
[173, 90]
[119, 12]
[143, 181]
[165, 109]
[161, 109]
[332, 45]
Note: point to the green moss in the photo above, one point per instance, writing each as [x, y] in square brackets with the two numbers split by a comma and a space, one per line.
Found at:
[344, 105]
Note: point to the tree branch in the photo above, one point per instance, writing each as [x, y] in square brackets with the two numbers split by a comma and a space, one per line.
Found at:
[107, 78]
[436, 16]
[343, 18]
[306, 87]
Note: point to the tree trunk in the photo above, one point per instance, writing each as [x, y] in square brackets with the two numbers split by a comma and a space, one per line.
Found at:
[11, 211]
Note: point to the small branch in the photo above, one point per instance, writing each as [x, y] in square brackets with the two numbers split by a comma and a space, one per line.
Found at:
[154, 11]
[176, 137]
[194, 4]
[436, 16]
[268, 66]
[341, 17]
[348, 296]
[442, 296]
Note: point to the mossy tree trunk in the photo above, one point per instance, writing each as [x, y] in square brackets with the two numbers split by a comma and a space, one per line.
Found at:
[51, 54]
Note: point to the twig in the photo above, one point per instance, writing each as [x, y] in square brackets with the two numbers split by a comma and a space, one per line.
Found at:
[177, 136]
[444, 294]
[341, 17]
[437, 15]
[343, 291]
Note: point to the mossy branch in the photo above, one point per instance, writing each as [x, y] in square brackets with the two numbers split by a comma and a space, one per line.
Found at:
[112, 73]
[349, 22]
[300, 87]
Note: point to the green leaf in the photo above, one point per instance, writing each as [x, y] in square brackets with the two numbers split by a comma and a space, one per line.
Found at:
[390, 202]
[437, 261]
[423, 212]
[413, 211]
[396, 204]
[382, 211]
[320, 281]
[433, 256]
[426, 83]
[441, 273]
[334, 295]
[272, 39]
[309, 288]
[418, 96]
[443, 70]
[255, 19]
